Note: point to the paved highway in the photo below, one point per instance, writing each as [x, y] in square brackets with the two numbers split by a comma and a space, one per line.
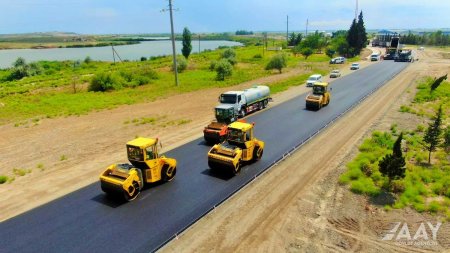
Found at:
[86, 221]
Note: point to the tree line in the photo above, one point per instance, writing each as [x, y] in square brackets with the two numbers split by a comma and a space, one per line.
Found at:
[348, 43]
[437, 38]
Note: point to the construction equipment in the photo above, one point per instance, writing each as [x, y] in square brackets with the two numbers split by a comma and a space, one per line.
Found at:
[240, 146]
[127, 180]
[319, 98]
[216, 131]
[392, 49]
[404, 55]
[248, 100]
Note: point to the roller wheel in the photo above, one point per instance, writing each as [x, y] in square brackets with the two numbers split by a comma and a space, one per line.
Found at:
[258, 153]
[133, 192]
[237, 169]
[168, 173]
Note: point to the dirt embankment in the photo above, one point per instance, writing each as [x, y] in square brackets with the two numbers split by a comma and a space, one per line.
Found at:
[299, 206]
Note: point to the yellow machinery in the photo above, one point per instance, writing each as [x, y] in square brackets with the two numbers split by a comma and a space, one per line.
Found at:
[127, 180]
[240, 146]
[320, 96]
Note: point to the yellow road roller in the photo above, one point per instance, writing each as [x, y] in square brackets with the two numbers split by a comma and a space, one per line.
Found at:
[127, 180]
[240, 146]
[320, 96]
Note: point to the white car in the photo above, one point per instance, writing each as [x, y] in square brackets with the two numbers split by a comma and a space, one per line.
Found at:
[335, 73]
[354, 66]
[313, 79]
[337, 60]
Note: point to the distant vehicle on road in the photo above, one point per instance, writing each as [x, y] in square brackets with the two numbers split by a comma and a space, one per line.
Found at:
[313, 79]
[354, 66]
[375, 57]
[335, 73]
[337, 60]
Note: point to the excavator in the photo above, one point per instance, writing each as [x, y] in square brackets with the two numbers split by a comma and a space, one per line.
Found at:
[320, 96]
[239, 147]
[127, 180]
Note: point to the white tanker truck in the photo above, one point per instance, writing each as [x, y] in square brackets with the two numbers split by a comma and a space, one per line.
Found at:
[246, 101]
[232, 105]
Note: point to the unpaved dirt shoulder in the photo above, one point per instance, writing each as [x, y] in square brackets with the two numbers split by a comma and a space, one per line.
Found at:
[298, 206]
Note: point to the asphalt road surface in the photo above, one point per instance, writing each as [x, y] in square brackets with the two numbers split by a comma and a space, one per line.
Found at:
[87, 221]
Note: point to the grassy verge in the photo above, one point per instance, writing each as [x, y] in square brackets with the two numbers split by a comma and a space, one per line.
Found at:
[426, 187]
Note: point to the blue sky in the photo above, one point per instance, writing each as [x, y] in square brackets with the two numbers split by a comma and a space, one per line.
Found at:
[145, 16]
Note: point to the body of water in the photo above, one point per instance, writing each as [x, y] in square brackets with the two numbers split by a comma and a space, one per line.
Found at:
[126, 52]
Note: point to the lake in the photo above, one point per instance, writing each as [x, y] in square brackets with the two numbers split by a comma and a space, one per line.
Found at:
[126, 52]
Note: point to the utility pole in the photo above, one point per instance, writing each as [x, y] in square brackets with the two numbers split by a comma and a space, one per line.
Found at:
[174, 52]
[306, 31]
[356, 10]
[287, 29]
[199, 43]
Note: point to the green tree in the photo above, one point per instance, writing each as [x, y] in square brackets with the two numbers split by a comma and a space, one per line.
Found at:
[437, 82]
[224, 69]
[362, 35]
[292, 39]
[330, 51]
[306, 52]
[433, 133]
[352, 36]
[187, 46]
[230, 55]
[393, 165]
[278, 61]
[87, 60]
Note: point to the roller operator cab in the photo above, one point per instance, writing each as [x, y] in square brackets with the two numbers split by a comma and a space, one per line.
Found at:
[319, 97]
[240, 146]
[147, 166]
[217, 130]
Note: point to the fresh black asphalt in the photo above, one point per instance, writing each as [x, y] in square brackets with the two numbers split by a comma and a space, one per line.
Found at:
[87, 221]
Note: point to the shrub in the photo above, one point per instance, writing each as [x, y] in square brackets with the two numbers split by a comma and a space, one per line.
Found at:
[105, 81]
[224, 69]
[3, 179]
[398, 186]
[278, 62]
[143, 58]
[212, 65]
[229, 53]
[257, 56]
[87, 60]
[182, 64]
[434, 206]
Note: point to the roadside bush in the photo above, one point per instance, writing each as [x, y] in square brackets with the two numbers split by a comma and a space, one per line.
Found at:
[105, 82]
[87, 60]
[230, 55]
[212, 65]
[278, 62]
[182, 64]
[143, 58]
[224, 69]
[3, 179]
